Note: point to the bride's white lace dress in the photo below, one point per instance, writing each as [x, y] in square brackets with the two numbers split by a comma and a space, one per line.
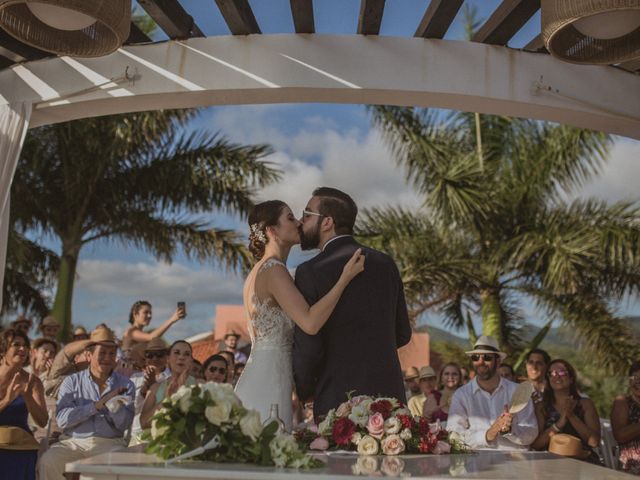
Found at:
[267, 377]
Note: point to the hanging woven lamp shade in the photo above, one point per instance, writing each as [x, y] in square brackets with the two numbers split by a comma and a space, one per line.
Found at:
[78, 28]
[592, 31]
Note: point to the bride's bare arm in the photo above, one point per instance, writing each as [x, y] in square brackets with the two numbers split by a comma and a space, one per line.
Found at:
[310, 319]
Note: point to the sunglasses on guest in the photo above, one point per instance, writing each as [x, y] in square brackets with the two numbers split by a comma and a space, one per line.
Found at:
[559, 373]
[213, 369]
[487, 357]
[152, 355]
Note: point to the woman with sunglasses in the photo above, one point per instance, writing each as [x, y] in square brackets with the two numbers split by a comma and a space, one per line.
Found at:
[216, 369]
[179, 362]
[21, 395]
[625, 422]
[564, 410]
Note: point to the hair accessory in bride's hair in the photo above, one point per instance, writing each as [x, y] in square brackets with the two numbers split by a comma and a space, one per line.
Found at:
[257, 232]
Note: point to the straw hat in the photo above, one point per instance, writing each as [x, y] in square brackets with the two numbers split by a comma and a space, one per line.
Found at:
[49, 321]
[567, 446]
[411, 373]
[15, 438]
[79, 331]
[426, 372]
[102, 336]
[486, 344]
[156, 344]
[232, 333]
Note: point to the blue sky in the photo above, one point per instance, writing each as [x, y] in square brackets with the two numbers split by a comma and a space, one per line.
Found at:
[314, 144]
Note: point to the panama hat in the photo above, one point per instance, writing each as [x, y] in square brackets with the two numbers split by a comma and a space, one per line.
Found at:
[426, 372]
[156, 344]
[102, 336]
[567, 446]
[411, 373]
[486, 344]
[49, 321]
[232, 333]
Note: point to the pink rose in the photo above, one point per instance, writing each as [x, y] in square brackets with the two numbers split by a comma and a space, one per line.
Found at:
[313, 428]
[319, 443]
[343, 410]
[441, 447]
[357, 400]
[392, 445]
[375, 425]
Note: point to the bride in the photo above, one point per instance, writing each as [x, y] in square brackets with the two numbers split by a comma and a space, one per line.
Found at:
[273, 304]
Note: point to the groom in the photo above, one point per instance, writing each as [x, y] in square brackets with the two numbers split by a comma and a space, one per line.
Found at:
[356, 350]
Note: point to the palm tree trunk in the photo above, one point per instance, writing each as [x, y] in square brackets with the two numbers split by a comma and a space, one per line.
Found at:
[492, 314]
[64, 291]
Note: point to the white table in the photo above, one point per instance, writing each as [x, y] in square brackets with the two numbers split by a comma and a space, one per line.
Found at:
[133, 464]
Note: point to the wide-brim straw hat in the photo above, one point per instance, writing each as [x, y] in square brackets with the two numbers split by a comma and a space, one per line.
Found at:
[102, 336]
[411, 373]
[156, 344]
[486, 344]
[426, 372]
[567, 446]
[232, 333]
[49, 321]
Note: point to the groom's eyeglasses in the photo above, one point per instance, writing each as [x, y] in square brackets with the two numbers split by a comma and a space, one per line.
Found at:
[308, 213]
[222, 370]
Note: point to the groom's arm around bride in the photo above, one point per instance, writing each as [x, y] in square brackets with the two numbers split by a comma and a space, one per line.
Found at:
[356, 350]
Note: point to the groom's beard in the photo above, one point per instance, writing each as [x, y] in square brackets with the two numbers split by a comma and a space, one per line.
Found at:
[310, 240]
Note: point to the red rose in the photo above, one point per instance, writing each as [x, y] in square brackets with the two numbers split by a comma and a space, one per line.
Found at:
[343, 429]
[423, 426]
[406, 421]
[427, 443]
[382, 407]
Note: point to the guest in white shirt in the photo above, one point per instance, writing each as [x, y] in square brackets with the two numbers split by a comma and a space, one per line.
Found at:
[479, 409]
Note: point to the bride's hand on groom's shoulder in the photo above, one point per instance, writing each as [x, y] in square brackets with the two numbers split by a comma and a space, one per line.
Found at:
[355, 265]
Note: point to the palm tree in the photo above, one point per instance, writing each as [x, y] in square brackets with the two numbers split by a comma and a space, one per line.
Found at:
[136, 180]
[497, 227]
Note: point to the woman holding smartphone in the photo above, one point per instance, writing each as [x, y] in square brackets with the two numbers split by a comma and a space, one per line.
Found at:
[140, 318]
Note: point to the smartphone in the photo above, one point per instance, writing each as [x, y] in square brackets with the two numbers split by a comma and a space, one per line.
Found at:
[183, 306]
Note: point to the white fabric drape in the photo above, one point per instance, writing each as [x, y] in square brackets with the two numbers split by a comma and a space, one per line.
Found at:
[14, 122]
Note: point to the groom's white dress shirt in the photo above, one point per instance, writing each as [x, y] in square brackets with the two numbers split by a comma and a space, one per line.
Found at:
[473, 410]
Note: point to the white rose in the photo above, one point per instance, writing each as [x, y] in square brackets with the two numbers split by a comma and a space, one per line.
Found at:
[185, 403]
[359, 415]
[325, 426]
[368, 445]
[250, 425]
[356, 437]
[343, 410]
[392, 425]
[218, 413]
[282, 447]
[183, 391]
[365, 466]
[155, 431]
[405, 434]
[402, 411]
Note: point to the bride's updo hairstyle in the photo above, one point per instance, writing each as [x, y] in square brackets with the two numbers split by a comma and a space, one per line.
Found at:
[263, 215]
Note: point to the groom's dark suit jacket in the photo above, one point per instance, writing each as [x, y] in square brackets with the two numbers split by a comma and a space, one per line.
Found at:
[356, 350]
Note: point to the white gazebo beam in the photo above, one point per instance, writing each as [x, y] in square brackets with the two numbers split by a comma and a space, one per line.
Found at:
[299, 68]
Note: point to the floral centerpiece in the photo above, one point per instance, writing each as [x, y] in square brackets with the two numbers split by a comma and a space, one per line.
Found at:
[211, 414]
[373, 426]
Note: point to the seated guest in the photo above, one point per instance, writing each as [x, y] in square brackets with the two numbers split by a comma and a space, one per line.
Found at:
[155, 370]
[427, 402]
[80, 333]
[625, 422]
[179, 361]
[43, 352]
[197, 370]
[231, 345]
[479, 409]
[411, 386]
[22, 324]
[21, 395]
[449, 381]
[237, 371]
[537, 361]
[49, 327]
[506, 371]
[464, 371]
[565, 411]
[91, 423]
[229, 356]
[215, 369]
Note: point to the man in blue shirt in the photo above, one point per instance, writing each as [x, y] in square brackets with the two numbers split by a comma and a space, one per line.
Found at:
[95, 408]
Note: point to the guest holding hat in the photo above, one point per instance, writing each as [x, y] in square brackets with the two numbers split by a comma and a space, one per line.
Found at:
[21, 395]
[155, 370]
[564, 410]
[49, 327]
[428, 383]
[479, 410]
[231, 345]
[412, 388]
[95, 407]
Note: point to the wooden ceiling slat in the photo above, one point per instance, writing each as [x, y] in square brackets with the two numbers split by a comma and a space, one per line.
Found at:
[631, 65]
[535, 45]
[370, 17]
[505, 21]
[302, 11]
[18, 48]
[136, 35]
[171, 18]
[239, 16]
[437, 18]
